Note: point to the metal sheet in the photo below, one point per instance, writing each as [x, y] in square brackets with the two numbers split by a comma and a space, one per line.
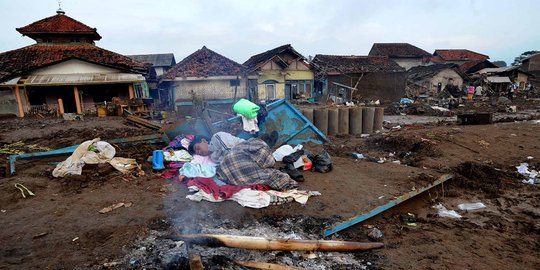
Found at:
[283, 117]
[79, 79]
[494, 79]
[11, 82]
[380, 209]
[291, 125]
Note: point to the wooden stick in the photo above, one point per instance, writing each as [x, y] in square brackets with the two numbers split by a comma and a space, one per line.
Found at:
[195, 262]
[261, 243]
[268, 266]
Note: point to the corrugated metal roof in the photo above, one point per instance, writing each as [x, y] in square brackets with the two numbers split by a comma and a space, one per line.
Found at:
[80, 79]
[496, 70]
[11, 82]
[496, 79]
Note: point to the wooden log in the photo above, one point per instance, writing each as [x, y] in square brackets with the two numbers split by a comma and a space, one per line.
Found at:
[195, 262]
[143, 122]
[261, 243]
[268, 266]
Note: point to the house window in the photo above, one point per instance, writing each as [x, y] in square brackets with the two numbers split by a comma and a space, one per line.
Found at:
[270, 91]
[299, 88]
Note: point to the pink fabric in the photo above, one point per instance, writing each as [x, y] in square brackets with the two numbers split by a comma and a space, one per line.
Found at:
[470, 90]
[202, 160]
[224, 192]
[172, 170]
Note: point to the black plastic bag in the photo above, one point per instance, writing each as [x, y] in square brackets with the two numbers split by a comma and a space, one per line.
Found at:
[322, 162]
[292, 158]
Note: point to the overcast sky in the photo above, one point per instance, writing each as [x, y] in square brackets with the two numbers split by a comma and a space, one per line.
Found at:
[238, 29]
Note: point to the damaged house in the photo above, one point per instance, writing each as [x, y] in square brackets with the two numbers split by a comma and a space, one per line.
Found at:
[205, 75]
[531, 65]
[404, 54]
[157, 64]
[432, 80]
[64, 71]
[468, 61]
[281, 73]
[360, 77]
[497, 79]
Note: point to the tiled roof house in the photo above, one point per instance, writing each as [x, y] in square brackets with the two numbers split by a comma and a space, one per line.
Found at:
[281, 72]
[404, 54]
[64, 64]
[208, 75]
[360, 77]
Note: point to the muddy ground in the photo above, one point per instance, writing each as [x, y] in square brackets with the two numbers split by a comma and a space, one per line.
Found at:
[60, 227]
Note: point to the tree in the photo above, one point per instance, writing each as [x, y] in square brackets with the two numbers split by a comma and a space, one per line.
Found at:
[500, 63]
[519, 59]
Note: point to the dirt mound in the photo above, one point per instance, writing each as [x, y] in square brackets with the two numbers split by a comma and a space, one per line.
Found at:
[481, 177]
[410, 150]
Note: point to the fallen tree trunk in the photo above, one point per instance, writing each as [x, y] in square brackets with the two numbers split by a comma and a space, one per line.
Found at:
[261, 243]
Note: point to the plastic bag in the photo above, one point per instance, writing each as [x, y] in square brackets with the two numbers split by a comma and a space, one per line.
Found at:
[443, 212]
[322, 162]
[471, 206]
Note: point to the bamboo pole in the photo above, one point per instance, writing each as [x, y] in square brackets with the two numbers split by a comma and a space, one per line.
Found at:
[261, 243]
[131, 91]
[61, 106]
[19, 101]
[77, 99]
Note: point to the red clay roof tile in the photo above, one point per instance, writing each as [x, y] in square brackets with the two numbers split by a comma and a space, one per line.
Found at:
[18, 62]
[397, 50]
[59, 24]
[459, 54]
[355, 64]
[204, 63]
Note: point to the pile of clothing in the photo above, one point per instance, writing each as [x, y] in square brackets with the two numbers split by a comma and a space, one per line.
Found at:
[237, 169]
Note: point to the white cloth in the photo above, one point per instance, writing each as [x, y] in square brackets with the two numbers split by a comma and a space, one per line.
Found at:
[284, 151]
[254, 198]
[93, 152]
[250, 125]
[180, 155]
[192, 170]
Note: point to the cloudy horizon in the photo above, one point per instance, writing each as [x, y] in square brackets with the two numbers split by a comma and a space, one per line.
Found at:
[239, 29]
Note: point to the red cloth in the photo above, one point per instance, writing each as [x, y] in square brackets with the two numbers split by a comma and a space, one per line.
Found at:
[224, 192]
[172, 171]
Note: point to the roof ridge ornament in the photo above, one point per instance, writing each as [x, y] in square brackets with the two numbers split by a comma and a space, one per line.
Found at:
[60, 11]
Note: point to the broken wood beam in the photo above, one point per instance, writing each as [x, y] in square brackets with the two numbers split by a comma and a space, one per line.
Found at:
[268, 266]
[195, 262]
[154, 138]
[355, 220]
[140, 121]
[261, 243]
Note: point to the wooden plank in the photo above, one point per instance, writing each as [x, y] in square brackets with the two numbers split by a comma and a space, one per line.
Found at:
[267, 266]
[355, 220]
[195, 262]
